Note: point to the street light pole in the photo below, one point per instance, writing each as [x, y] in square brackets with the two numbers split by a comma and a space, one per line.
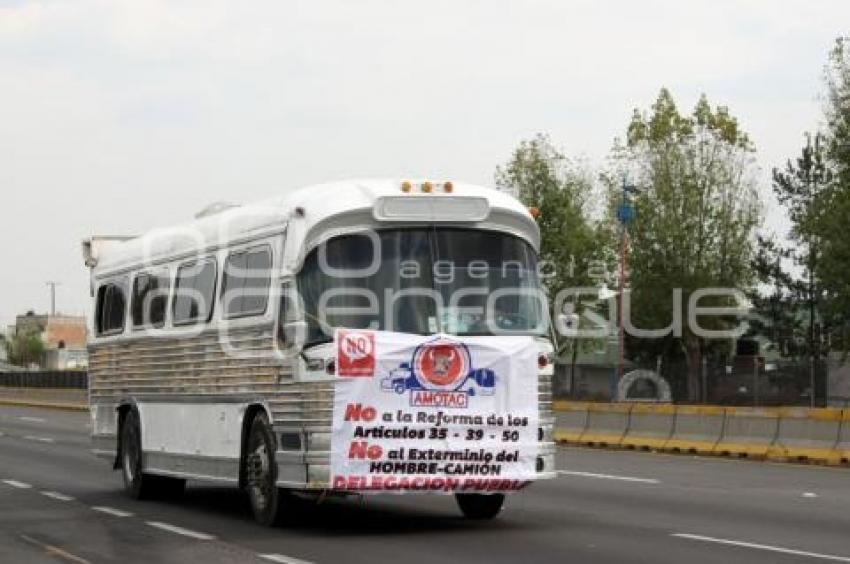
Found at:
[52, 284]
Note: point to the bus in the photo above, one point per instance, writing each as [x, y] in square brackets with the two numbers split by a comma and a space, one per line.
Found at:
[213, 351]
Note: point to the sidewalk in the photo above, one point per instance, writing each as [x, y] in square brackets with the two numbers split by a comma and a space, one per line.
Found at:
[59, 398]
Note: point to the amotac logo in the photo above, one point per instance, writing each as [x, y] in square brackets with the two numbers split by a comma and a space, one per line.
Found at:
[440, 375]
[356, 353]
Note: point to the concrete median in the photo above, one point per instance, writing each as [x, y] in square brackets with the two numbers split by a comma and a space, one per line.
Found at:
[59, 398]
[792, 434]
[650, 426]
[807, 435]
[607, 424]
[748, 432]
[570, 421]
[696, 429]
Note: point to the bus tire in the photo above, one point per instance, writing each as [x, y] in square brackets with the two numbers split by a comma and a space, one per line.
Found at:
[261, 472]
[167, 487]
[137, 484]
[480, 506]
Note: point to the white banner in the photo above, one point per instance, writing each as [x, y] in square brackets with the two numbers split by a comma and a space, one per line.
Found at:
[437, 414]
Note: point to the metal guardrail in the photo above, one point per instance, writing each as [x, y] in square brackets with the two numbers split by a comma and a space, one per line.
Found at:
[45, 379]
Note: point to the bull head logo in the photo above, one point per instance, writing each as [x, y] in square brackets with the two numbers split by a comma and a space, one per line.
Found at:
[442, 360]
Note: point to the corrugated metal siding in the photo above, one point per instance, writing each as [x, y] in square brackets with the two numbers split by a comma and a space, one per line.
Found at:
[237, 362]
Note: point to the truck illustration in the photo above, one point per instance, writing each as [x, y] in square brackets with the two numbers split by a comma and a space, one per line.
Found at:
[479, 381]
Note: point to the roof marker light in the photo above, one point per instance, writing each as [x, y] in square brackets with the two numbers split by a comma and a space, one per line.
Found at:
[406, 186]
[448, 187]
[427, 187]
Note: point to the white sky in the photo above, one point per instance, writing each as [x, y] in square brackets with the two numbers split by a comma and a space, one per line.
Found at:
[116, 117]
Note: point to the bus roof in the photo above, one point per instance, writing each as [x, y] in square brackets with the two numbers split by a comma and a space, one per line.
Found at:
[308, 213]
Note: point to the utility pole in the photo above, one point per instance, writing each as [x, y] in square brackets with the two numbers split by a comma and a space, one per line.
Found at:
[622, 283]
[756, 381]
[52, 285]
[625, 213]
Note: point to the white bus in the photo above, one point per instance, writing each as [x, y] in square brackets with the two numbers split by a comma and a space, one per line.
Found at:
[212, 357]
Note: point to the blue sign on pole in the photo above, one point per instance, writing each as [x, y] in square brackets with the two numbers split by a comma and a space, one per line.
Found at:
[625, 212]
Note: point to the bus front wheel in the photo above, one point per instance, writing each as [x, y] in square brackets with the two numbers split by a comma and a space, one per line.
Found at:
[480, 506]
[261, 471]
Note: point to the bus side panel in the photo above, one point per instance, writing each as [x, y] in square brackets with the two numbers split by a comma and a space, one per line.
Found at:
[191, 392]
[190, 428]
[195, 439]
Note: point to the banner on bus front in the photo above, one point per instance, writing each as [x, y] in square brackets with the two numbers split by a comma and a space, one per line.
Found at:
[434, 414]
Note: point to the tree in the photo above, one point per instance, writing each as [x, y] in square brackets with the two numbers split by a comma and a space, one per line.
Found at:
[24, 349]
[838, 110]
[777, 309]
[576, 249]
[696, 211]
[834, 206]
[800, 188]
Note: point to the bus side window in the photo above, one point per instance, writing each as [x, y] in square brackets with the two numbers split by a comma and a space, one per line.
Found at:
[111, 309]
[245, 284]
[149, 299]
[194, 292]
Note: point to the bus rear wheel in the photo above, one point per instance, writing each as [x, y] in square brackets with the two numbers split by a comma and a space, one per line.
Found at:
[137, 483]
[480, 506]
[261, 472]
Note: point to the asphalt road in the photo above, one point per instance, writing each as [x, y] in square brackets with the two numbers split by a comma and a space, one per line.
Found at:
[59, 503]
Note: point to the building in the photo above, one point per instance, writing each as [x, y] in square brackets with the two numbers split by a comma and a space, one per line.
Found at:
[64, 337]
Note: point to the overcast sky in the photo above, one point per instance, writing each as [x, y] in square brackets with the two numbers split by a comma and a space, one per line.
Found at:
[116, 117]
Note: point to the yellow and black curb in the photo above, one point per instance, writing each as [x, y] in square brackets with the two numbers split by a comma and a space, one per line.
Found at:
[820, 436]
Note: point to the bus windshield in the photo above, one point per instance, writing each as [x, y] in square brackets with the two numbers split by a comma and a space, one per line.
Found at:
[422, 281]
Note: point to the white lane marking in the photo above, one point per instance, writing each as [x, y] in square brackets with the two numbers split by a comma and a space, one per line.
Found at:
[609, 477]
[17, 484]
[32, 419]
[809, 494]
[112, 511]
[766, 547]
[180, 530]
[57, 496]
[281, 559]
[39, 439]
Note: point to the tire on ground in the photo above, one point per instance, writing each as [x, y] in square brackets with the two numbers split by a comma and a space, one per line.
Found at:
[137, 483]
[260, 472]
[480, 506]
